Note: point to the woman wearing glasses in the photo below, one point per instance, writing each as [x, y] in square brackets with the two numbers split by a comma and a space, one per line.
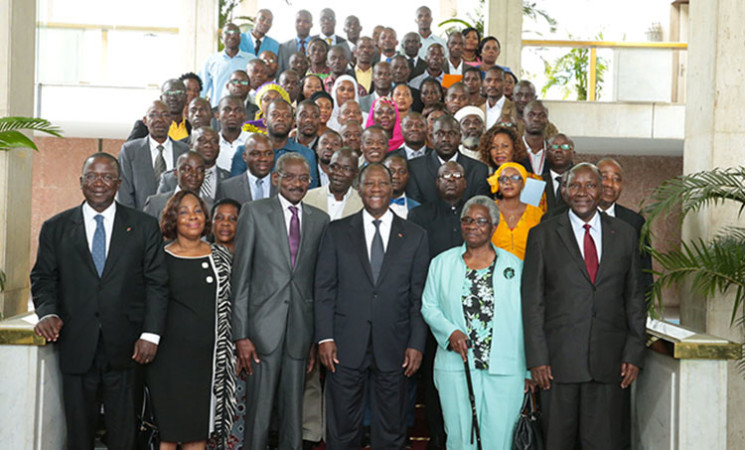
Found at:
[472, 300]
[515, 217]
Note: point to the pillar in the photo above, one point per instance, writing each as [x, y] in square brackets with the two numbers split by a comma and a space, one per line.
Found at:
[17, 68]
[715, 137]
[503, 19]
[198, 32]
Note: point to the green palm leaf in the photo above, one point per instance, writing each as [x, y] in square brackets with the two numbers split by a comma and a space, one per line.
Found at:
[11, 137]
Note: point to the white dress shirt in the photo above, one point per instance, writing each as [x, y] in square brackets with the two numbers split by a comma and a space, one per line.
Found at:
[167, 151]
[554, 183]
[493, 113]
[266, 185]
[611, 211]
[227, 150]
[595, 231]
[453, 158]
[414, 153]
[456, 70]
[386, 220]
[538, 159]
[401, 211]
[335, 207]
[323, 177]
[288, 214]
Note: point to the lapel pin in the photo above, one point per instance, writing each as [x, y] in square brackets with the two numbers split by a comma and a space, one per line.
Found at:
[129, 229]
[509, 273]
[612, 231]
[400, 235]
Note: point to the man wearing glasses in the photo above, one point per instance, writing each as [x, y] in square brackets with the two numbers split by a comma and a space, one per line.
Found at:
[560, 158]
[218, 68]
[173, 94]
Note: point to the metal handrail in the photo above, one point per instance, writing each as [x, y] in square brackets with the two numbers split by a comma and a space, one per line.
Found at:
[594, 45]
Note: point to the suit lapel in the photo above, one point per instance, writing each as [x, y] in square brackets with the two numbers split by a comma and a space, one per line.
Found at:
[246, 186]
[357, 237]
[305, 225]
[606, 245]
[566, 234]
[118, 241]
[277, 219]
[81, 241]
[392, 250]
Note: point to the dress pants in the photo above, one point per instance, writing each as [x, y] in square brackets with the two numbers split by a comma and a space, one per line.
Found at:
[433, 411]
[345, 400]
[585, 415]
[83, 394]
[313, 423]
[281, 375]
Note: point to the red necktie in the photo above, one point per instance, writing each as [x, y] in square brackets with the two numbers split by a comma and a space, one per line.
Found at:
[302, 45]
[591, 254]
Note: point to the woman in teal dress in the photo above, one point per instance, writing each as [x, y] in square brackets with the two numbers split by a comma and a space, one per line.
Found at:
[471, 302]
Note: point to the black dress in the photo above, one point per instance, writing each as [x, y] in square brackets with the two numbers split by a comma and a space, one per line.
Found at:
[181, 375]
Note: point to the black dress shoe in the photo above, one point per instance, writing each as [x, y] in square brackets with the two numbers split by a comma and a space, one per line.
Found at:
[365, 437]
[309, 445]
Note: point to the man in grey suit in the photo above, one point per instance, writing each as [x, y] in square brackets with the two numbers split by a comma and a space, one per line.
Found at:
[255, 183]
[584, 317]
[328, 32]
[303, 24]
[382, 84]
[206, 142]
[276, 247]
[190, 174]
[144, 160]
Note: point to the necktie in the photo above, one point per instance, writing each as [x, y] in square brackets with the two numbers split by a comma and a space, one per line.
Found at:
[206, 190]
[302, 45]
[412, 61]
[591, 254]
[257, 46]
[160, 163]
[294, 234]
[260, 189]
[398, 201]
[98, 249]
[328, 41]
[558, 189]
[376, 252]
[388, 59]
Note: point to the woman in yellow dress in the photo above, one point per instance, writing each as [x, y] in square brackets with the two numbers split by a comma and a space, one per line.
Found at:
[515, 217]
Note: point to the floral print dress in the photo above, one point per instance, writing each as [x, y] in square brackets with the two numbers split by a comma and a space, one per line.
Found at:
[478, 309]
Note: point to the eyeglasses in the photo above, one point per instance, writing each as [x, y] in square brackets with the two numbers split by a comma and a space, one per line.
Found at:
[175, 93]
[107, 178]
[451, 176]
[232, 32]
[239, 82]
[345, 169]
[562, 146]
[513, 178]
[506, 124]
[481, 221]
[292, 177]
[163, 115]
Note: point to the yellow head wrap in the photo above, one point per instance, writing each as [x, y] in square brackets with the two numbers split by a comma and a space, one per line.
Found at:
[494, 179]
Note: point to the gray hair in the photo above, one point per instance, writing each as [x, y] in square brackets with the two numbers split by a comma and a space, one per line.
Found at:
[486, 202]
[290, 157]
[583, 166]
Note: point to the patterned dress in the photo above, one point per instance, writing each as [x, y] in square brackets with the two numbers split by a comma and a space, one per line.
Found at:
[478, 309]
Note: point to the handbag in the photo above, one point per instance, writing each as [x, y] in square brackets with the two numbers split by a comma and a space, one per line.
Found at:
[148, 437]
[528, 434]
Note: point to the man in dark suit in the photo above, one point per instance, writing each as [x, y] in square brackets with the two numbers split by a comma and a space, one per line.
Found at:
[423, 171]
[100, 290]
[411, 45]
[328, 32]
[255, 183]
[206, 142]
[143, 161]
[535, 116]
[436, 66]
[559, 158]
[400, 203]
[276, 248]
[584, 317]
[190, 175]
[303, 24]
[414, 130]
[369, 281]
[612, 186]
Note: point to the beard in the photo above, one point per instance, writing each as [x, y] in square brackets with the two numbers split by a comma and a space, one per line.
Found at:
[471, 142]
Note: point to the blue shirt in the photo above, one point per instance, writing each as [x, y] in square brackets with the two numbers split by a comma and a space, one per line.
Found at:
[306, 40]
[248, 41]
[216, 73]
[239, 165]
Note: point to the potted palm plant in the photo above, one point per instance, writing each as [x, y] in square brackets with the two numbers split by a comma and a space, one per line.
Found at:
[11, 138]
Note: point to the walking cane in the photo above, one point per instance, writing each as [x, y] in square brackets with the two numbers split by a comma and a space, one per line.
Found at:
[472, 398]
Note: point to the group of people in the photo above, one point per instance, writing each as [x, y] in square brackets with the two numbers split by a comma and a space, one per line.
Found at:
[294, 241]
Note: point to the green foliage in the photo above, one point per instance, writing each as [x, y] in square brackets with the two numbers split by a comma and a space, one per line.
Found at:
[572, 69]
[11, 136]
[530, 11]
[2, 281]
[476, 18]
[716, 266]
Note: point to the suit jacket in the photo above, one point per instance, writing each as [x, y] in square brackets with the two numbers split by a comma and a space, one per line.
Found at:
[367, 101]
[138, 177]
[423, 173]
[583, 330]
[637, 222]
[418, 69]
[402, 152]
[271, 298]
[350, 308]
[155, 204]
[131, 296]
[168, 181]
[318, 197]
[239, 189]
[287, 49]
[552, 201]
[442, 223]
